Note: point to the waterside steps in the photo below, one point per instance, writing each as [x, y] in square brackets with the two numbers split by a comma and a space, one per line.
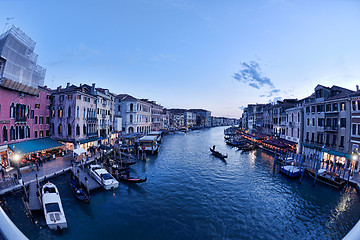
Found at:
[34, 200]
[86, 179]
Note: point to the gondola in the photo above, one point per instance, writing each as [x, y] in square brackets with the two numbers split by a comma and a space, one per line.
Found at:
[79, 192]
[218, 154]
[125, 176]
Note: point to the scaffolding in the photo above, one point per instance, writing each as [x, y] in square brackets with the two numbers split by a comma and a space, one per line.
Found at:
[21, 62]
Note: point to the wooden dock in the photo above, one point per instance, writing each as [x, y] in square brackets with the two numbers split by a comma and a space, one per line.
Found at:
[34, 203]
[81, 174]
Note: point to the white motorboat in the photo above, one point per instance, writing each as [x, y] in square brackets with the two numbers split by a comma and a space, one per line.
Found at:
[103, 177]
[53, 209]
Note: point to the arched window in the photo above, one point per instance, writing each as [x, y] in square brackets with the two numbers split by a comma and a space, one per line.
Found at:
[119, 108]
[84, 129]
[12, 133]
[53, 112]
[131, 118]
[131, 107]
[77, 130]
[5, 136]
[131, 129]
[69, 112]
[84, 113]
[292, 117]
[298, 117]
[69, 129]
[60, 129]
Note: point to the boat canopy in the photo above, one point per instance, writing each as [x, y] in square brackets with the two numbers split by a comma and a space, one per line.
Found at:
[79, 151]
[148, 138]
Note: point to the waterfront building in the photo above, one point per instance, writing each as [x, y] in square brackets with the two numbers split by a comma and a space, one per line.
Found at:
[268, 119]
[279, 116]
[21, 61]
[189, 119]
[177, 117]
[355, 129]
[135, 114]
[294, 124]
[104, 112]
[24, 102]
[327, 124]
[73, 116]
[156, 115]
[203, 117]
[24, 115]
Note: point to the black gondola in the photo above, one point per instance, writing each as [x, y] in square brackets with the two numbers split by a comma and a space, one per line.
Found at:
[217, 154]
[79, 191]
[125, 176]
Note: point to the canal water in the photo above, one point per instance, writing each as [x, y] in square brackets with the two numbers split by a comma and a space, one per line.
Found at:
[192, 195]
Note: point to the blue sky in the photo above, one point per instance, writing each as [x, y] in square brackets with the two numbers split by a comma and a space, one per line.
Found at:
[187, 54]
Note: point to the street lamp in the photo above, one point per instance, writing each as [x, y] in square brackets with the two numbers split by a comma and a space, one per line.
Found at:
[17, 158]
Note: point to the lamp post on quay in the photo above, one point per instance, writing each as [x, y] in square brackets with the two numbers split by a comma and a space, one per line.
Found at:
[16, 159]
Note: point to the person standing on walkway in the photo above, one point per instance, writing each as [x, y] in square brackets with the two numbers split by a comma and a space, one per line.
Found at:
[37, 166]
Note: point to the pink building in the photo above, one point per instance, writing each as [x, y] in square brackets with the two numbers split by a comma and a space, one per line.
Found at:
[24, 115]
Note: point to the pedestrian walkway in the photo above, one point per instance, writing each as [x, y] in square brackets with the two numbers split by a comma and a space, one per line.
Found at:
[48, 169]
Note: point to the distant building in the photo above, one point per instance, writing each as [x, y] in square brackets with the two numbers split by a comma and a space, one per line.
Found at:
[135, 114]
[203, 117]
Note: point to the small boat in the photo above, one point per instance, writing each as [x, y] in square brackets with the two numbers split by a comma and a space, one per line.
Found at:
[125, 176]
[103, 177]
[291, 171]
[119, 167]
[217, 154]
[126, 163]
[79, 191]
[53, 209]
[327, 177]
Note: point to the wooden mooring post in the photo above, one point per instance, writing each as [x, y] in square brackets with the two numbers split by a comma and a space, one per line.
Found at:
[87, 185]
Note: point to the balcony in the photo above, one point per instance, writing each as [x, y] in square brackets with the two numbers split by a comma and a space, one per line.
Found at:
[91, 119]
[20, 120]
[292, 124]
[331, 129]
[89, 135]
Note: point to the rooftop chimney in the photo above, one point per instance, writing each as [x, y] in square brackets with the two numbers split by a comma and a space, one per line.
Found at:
[93, 88]
[68, 85]
[357, 87]
[58, 88]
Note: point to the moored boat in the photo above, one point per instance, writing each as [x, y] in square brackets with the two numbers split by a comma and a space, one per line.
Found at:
[103, 177]
[53, 209]
[79, 191]
[291, 171]
[327, 177]
[125, 176]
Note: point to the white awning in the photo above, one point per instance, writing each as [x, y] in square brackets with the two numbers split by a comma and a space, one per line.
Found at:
[79, 151]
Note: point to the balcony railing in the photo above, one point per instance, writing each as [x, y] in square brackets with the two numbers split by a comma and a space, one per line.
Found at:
[331, 129]
[91, 118]
[94, 134]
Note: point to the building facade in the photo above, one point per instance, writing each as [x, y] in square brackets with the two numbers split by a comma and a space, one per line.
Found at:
[73, 116]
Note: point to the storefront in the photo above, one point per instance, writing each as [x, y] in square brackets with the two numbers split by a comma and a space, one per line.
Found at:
[87, 143]
[34, 150]
[4, 156]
